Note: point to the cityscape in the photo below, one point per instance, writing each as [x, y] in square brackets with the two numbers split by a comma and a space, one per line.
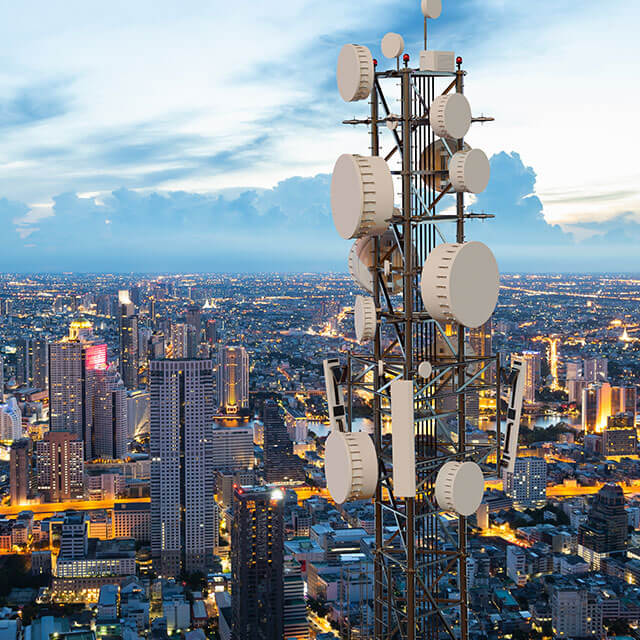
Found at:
[128, 511]
[248, 396]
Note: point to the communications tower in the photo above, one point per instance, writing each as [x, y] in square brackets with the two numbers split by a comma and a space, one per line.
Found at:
[425, 284]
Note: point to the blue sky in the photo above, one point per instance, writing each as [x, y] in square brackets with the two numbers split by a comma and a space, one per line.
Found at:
[155, 136]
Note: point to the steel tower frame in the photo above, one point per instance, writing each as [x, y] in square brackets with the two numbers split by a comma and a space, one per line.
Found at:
[425, 549]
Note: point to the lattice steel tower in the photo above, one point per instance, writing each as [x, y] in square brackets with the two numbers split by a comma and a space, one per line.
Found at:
[426, 286]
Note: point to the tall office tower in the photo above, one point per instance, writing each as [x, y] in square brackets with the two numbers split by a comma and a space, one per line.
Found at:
[211, 331]
[193, 317]
[21, 471]
[296, 624]
[233, 379]
[153, 311]
[24, 358]
[144, 344]
[134, 295]
[595, 369]
[257, 564]
[1, 379]
[10, 421]
[623, 400]
[183, 341]
[280, 464]
[480, 341]
[32, 363]
[232, 448]
[182, 504]
[533, 362]
[575, 388]
[156, 346]
[60, 466]
[605, 532]
[137, 413]
[110, 428]
[596, 407]
[527, 485]
[128, 332]
[73, 363]
[573, 370]
[620, 438]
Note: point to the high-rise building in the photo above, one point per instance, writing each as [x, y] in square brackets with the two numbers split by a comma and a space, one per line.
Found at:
[296, 624]
[110, 428]
[211, 330]
[257, 564]
[232, 448]
[595, 369]
[527, 485]
[60, 466]
[128, 333]
[137, 413]
[532, 360]
[480, 341]
[600, 401]
[280, 464]
[32, 363]
[73, 363]
[193, 317]
[605, 532]
[183, 513]
[233, 379]
[620, 437]
[183, 341]
[10, 420]
[21, 471]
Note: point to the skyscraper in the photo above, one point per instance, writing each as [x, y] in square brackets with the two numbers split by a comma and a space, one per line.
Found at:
[32, 363]
[595, 369]
[193, 317]
[10, 420]
[73, 363]
[257, 564]
[532, 361]
[183, 341]
[280, 464]
[110, 428]
[21, 471]
[296, 625]
[233, 379]
[620, 438]
[606, 531]
[527, 485]
[60, 466]
[128, 332]
[182, 480]
[232, 448]
[480, 341]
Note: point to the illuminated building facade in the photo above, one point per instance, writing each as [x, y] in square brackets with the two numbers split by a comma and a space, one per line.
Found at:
[32, 363]
[257, 564]
[527, 485]
[183, 531]
[60, 466]
[232, 448]
[605, 532]
[280, 464]
[533, 362]
[595, 369]
[601, 400]
[21, 471]
[233, 379]
[620, 437]
[110, 428]
[128, 333]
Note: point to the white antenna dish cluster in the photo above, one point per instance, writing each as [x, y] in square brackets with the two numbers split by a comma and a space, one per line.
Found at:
[364, 318]
[361, 261]
[355, 72]
[460, 487]
[431, 8]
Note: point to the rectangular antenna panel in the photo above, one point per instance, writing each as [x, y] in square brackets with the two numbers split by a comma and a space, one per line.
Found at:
[403, 439]
[444, 61]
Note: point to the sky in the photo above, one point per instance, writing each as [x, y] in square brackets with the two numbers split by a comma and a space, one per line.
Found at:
[200, 135]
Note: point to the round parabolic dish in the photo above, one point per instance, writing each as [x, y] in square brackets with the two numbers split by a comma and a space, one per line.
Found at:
[431, 8]
[355, 72]
[450, 116]
[460, 487]
[460, 283]
[469, 171]
[364, 318]
[392, 45]
[361, 195]
[351, 466]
